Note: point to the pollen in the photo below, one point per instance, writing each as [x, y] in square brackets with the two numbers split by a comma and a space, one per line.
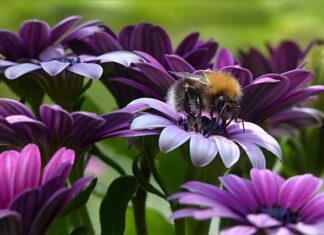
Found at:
[223, 84]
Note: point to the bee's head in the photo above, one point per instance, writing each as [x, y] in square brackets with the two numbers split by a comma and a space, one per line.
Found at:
[226, 107]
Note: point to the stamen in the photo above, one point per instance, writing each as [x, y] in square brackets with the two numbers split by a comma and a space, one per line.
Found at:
[70, 59]
[201, 124]
[286, 216]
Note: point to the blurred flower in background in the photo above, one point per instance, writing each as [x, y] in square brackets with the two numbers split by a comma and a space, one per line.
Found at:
[206, 142]
[266, 203]
[57, 127]
[30, 198]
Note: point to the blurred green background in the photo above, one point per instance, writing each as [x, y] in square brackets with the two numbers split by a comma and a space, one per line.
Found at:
[234, 24]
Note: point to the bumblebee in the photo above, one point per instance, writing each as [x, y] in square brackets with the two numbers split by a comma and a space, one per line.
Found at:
[214, 92]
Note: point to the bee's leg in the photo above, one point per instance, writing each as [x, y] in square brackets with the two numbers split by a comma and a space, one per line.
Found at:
[198, 121]
[187, 105]
[224, 126]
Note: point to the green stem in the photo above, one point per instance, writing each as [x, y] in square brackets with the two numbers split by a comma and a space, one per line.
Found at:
[80, 218]
[139, 201]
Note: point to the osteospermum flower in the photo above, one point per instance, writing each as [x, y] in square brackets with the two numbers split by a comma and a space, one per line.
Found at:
[267, 203]
[30, 198]
[57, 127]
[286, 56]
[207, 141]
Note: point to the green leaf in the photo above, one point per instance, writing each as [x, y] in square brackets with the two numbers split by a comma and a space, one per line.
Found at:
[81, 198]
[157, 223]
[143, 181]
[113, 206]
[80, 231]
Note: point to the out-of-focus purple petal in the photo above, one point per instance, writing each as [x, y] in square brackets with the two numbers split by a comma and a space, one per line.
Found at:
[187, 44]
[51, 52]
[104, 42]
[130, 133]
[81, 31]
[27, 205]
[137, 85]
[62, 27]
[48, 211]
[313, 210]
[239, 229]
[228, 150]
[266, 185]
[286, 57]
[18, 70]
[61, 157]
[92, 71]
[178, 64]
[263, 220]
[159, 106]
[10, 223]
[243, 75]
[6, 63]
[224, 58]
[172, 137]
[28, 169]
[241, 189]
[10, 107]
[309, 229]
[298, 78]
[8, 160]
[149, 122]
[151, 39]
[297, 190]
[202, 150]
[197, 58]
[35, 35]
[54, 67]
[11, 45]
[279, 231]
[125, 36]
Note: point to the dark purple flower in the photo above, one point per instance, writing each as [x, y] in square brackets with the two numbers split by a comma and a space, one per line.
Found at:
[286, 56]
[30, 198]
[57, 127]
[207, 141]
[266, 203]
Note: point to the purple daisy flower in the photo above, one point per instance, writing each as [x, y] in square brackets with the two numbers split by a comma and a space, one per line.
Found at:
[30, 198]
[207, 141]
[266, 203]
[57, 127]
[286, 56]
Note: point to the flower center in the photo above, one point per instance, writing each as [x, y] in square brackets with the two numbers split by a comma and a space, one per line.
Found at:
[202, 125]
[70, 59]
[286, 216]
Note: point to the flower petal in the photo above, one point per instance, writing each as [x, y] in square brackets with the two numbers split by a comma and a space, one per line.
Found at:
[11, 45]
[149, 122]
[202, 150]
[16, 71]
[187, 44]
[54, 67]
[28, 170]
[266, 185]
[172, 137]
[35, 35]
[89, 70]
[263, 220]
[254, 153]
[10, 223]
[61, 158]
[239, 229]
[178, 64]
[228, 150]
[241, 189]
[62, 27]
[297, 190]
[52, 52]
[125, 58]
[224, 58]
[313, 210]
[10, 107]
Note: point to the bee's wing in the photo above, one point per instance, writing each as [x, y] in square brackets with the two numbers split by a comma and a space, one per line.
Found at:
[192, 76]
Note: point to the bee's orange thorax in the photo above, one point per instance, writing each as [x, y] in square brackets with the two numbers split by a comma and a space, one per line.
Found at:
[223, 84]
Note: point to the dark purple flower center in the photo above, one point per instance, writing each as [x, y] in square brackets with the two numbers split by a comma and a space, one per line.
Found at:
[69, 59]
[202, 125]
[286, 216]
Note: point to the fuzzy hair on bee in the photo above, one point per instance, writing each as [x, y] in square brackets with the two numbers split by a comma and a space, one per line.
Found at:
[212, 92]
